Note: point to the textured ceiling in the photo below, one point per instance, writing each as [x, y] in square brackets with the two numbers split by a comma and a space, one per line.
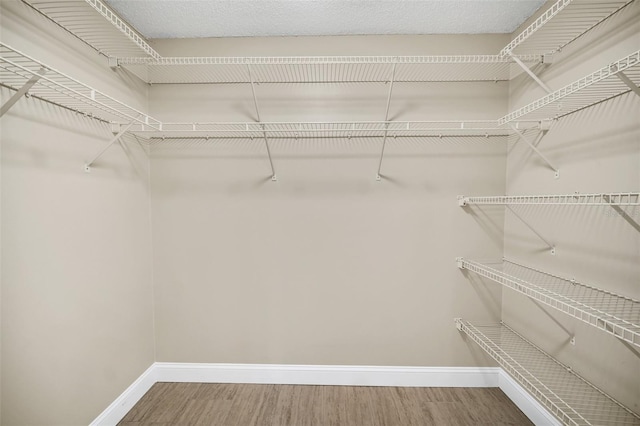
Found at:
[243, 18]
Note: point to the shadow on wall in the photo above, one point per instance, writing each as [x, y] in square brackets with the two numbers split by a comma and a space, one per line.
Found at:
[572, 139]
[36, 134]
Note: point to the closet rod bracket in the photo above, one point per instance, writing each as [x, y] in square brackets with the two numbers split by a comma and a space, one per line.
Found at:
[116, 138]
[23, 91]
[530, 73]
[552, 247]
[533, 145]
[458, 322]
[626, 80]
[386, 119]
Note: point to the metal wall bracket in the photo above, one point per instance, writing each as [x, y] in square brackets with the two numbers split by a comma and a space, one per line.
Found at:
[531, 73]
[552, 247]
[87, 165]
[113, 62]
[534, 148]
[264, 133]
[626, 80]
[23, 91]
[458, 322]
[386, 118]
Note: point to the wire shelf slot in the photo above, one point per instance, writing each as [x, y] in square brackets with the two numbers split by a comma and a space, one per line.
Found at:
[572, 399]
[16, 69]
[589, 90]
[609, 312]
[599, 199]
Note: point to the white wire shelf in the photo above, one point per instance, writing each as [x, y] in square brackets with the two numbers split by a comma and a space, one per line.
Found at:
[95, 23]
[323, 69]
[16, 69]
[600, 199]
[596, 87]
[562, 23]
[477, 128]
[612, 313]
[572, 399]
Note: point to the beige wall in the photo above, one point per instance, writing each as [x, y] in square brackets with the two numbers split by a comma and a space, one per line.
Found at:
[76, 280]
[325, 266]
[596, 150]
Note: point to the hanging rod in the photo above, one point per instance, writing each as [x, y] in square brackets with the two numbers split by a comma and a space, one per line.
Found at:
[340, 129]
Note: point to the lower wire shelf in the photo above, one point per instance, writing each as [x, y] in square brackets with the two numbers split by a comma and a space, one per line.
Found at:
[607, 311]
[572, 399]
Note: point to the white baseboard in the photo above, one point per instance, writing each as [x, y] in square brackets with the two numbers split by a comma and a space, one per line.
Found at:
[525, 402]
[353, 375]
[127, 399]
[325, 375]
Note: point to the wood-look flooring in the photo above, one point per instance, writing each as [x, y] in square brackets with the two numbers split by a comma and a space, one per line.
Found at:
[244, 404]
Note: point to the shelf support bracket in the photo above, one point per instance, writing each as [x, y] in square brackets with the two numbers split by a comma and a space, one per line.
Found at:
[87, 165]
[22, 91]
[264, 132]
[531, 73]
[551, 246]
[626, 80]
[386, 118]
[535, 149]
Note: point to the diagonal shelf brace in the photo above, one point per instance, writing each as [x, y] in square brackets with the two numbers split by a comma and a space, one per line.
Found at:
[386, 118]
[264, 132]
[531, 73]
[626, 80]
[87, 165]
[22, 91]
[551, 246]
[535, 149]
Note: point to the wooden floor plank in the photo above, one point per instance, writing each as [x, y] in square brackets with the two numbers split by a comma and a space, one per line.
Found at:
[387, 407]
[199, 404]
[347, 405]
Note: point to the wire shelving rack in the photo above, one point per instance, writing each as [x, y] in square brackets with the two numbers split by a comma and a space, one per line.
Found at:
[345, 130]
[594, 88]
[561, 24]
[572, 399]
[324, 69]
[607, 311]
[95, 23]
[16, 69]
[599, 199]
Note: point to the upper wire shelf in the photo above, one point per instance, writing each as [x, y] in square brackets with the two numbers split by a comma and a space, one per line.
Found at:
[596, 87]
[323, 69]
[600, 199]
[16, 69]
[97, 25]
[478, 128]
[612, 313]
[571, 398]
[561, 24]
